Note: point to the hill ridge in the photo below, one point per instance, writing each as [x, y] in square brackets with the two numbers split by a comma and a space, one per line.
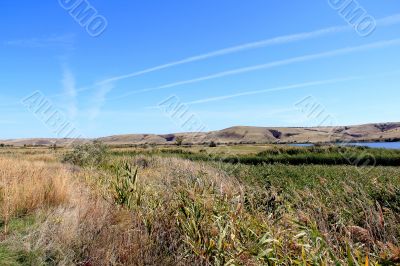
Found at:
[388, 131]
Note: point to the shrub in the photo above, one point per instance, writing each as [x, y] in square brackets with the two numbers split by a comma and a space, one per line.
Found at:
[88, 154]
[213, 144]
[179, 140]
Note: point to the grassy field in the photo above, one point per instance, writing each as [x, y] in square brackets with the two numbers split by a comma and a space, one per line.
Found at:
[197, 206]
[261, 154]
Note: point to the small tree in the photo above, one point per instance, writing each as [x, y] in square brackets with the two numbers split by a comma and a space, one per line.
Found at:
[212, 144]
[179, 140]
[2, 145]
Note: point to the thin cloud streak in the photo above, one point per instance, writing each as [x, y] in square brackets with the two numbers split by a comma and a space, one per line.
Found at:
[98, 100]
[289, 87]
[68, 83]
[281, 88]
[337, 52]
[235, 49]
[63, 41]
[387, 21]
[383, 22]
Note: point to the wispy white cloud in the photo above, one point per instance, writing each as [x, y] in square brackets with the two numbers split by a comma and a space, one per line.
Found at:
[282, 88]
[255, 92]
[386, 21]
[383, 22]
[234, 49]
[287, 87]
[69, 89]
[290, 87]
[62, 41]
[293, 60]
[98, 100]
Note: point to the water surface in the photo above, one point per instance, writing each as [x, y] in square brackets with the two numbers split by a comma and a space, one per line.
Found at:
[301, 144]
[382, 145]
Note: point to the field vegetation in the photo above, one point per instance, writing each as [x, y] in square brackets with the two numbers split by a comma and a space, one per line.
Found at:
[92, 205]
[269, 154]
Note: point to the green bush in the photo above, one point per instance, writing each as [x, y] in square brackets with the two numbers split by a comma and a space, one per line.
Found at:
[213, 144]
[88, 154]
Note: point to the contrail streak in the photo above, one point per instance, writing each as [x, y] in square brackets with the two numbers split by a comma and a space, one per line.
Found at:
[383, 22]
[375, 45]
[281, 88]
[289, 87]
[387, 21]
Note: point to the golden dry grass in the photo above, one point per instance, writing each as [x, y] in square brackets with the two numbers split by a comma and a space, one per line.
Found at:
[26, 186]
[78, 222]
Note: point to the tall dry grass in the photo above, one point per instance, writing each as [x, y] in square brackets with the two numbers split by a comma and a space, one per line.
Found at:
[93, 230]
[69, 216]
[26, 186]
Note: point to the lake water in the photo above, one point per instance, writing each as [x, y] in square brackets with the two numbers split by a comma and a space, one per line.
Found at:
[301, 145]
[382, 145]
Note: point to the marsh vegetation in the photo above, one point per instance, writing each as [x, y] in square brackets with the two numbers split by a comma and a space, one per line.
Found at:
[93, 205]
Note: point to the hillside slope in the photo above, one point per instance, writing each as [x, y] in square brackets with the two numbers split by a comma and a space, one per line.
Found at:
[246, 134]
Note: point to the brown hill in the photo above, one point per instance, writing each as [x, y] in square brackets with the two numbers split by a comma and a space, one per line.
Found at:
[245, 134]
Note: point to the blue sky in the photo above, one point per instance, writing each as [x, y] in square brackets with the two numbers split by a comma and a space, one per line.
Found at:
[230, 62]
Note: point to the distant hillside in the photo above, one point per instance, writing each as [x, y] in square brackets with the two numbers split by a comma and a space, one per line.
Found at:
[41, 142]
[243, 134]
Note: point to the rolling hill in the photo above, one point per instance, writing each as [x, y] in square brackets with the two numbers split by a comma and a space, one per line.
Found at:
[244, 134]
